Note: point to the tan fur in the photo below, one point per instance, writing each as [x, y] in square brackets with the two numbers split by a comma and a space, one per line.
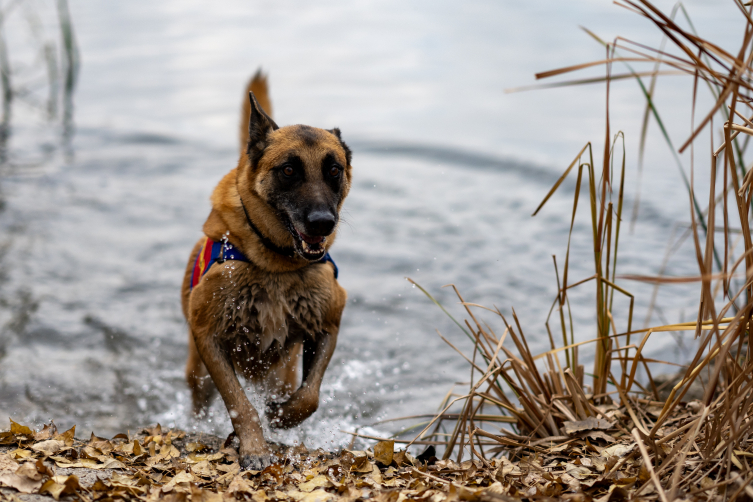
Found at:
[254, 318]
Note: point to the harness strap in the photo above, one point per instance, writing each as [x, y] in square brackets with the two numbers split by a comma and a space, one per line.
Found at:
[218, 252]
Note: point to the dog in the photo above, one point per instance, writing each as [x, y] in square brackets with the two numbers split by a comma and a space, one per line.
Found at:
[260, 292]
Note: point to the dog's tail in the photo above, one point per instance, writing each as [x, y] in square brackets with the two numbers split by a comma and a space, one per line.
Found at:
[257, 85]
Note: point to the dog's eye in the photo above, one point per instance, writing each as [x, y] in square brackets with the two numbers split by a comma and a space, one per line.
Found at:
[334, 171]
[288, 170]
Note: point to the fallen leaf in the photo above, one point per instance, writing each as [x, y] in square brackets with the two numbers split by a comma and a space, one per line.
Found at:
[400, 458]
[7, 464]
[46, 433]
[20, 430]
[361, 465]
[119, 479]
[507, 469]
[52, 488]
[67, 437]
[113, 463]
[154, 431]
[49, 447]
[61, 485]
[315, 496]
[383, 452]
[240, 485]
[618, 450]
[317, 482]
[259, 496]
[20, 453]
[180, 480]
[614, 494]
[26, 479]
[202, 469]
[591, 434]
[591, 423]
[578, 472]
[234, 467]
[196, 447]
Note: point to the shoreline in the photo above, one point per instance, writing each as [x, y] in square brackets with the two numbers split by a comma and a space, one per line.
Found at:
[597, 459]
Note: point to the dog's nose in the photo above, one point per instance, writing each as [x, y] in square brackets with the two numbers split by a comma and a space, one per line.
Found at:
[320, 223]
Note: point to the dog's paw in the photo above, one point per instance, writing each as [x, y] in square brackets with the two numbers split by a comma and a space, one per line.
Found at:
[257, 462]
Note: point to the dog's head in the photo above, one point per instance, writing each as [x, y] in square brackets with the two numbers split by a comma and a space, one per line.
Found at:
[302, 174]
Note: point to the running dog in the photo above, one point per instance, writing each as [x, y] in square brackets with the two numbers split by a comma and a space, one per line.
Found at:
[260, 292]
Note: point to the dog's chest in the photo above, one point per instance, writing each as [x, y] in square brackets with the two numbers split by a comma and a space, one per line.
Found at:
[268, 308]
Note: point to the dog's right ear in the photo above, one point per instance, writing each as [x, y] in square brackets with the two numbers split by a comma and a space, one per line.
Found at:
[259, 125]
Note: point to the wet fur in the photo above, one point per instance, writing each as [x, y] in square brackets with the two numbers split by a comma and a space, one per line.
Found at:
[261, 319]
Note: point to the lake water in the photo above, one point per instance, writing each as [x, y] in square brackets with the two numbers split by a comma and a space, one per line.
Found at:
[447, 171]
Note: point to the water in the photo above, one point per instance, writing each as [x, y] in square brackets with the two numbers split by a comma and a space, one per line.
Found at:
[447, 170]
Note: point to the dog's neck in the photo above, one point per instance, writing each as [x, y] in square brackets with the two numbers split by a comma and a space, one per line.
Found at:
[231, 221]
[286, 251]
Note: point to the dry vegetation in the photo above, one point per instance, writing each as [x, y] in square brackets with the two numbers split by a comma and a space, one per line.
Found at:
[615, 438]
[529, 426]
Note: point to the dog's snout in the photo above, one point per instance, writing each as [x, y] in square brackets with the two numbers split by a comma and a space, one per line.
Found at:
[320, 222]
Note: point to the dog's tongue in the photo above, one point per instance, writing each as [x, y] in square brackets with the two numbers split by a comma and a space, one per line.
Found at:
[311, 240]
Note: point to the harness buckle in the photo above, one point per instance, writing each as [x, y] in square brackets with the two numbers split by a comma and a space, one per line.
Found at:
[221, 257]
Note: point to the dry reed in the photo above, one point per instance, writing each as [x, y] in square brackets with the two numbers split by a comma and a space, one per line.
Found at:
[701, 450]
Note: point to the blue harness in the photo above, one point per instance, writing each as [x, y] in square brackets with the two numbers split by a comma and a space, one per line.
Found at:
[218, 252]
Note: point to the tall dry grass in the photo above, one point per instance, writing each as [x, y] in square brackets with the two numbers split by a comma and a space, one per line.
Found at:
[534, 395]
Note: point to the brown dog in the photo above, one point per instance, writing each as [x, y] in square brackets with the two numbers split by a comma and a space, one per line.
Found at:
[260, 290]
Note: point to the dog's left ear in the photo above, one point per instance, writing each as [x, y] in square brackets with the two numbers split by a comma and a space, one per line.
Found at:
[259, 125]
[348, 153]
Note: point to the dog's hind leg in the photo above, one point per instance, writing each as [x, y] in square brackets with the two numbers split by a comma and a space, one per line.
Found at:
[197, 376]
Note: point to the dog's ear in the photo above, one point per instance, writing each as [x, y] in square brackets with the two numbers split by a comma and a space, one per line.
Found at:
[348, 153]
[259, 125]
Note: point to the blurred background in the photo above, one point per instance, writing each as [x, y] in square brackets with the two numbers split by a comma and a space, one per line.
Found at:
[120, 118]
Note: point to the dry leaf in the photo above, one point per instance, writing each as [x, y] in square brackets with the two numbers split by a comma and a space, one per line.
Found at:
[26, 479]
[20, 453]
[49, 447]
[7, 464]
[259, 496]
[46, 433]
[591, 434]
[240, 485]
[618, 450]
[202, 469]
[61, 485]
[578, 472]
[180, 482]
[361, 465]
[196, 447]
[67, 436]
[315, 496]
[591, 423]
[383, 452]
[317, 482]
[20, 430]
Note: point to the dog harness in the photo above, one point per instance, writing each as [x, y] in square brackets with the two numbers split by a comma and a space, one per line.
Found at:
[218, 252]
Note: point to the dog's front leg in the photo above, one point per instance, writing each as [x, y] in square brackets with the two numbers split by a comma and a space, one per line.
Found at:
[254, 452]
[317, 353]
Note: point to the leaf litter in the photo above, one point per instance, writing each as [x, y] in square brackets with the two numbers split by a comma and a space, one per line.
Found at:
[159, 464]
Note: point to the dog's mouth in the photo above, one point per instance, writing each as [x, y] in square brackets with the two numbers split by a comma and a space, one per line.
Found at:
[309, 247]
